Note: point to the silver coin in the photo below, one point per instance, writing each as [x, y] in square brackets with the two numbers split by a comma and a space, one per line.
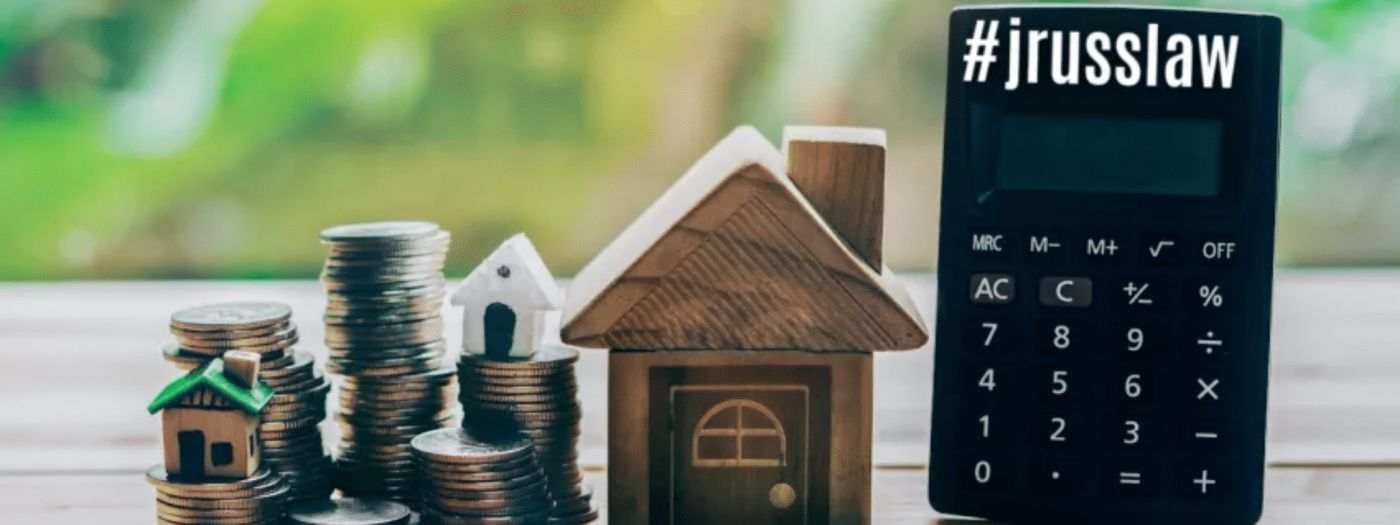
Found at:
[379, 231]
[350, 511]
[230, 316]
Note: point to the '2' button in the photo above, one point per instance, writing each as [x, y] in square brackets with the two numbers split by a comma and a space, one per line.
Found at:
[1070, 292]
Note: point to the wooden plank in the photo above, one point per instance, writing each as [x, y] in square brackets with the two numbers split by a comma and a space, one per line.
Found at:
[1334, 395]
[1355, 496]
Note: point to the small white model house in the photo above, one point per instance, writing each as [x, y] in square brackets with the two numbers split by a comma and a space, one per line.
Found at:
[508, 302]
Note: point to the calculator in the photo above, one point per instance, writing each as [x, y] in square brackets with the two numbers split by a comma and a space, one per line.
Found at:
[1105, 265]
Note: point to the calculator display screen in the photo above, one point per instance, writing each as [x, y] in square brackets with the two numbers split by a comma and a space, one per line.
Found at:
[1109, 154]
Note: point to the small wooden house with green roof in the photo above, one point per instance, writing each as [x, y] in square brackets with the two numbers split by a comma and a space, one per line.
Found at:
[210, 419]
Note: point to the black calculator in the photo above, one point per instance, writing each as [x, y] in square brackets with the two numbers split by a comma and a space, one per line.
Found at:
[1106, 263]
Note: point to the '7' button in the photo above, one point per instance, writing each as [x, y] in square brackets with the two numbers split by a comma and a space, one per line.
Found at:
[1069, 292]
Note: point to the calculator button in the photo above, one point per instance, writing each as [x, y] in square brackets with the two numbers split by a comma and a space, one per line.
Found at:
[1204, 391]
[1130, 480]
[1207, 342]
[986, 473]
[1139, 339]
[1058, 429]
[1131, 431]
[1058, 475]
[1203, 435]
[1102, 247]
[1045, 247]
[992, 288]
[985, 426]
[1060, 383]
[1067, 292]
[1201, 481]
[1062, 337]
[1132, 387]
[1218, 250]
[1207, 296]
[991, 336]
[989, 245]
[1162, 250]
[1140, 294]
[986, 382]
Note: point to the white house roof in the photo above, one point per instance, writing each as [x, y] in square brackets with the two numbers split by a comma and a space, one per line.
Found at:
[515, 269]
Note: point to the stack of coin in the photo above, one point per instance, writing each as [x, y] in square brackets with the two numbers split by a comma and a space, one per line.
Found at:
[257, 499]
[477, 477]
[289, 428]
[383, 317]
[350, 511]
[538, 396]
[378, 419]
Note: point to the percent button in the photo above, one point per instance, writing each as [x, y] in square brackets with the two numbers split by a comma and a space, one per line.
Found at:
[1208, 296]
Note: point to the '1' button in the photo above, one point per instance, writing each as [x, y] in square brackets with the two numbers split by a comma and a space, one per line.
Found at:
[1070, 292]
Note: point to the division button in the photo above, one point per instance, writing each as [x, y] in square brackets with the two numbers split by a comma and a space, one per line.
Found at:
[1067, 292]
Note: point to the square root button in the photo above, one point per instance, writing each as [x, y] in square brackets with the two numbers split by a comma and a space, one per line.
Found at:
[1068, 292]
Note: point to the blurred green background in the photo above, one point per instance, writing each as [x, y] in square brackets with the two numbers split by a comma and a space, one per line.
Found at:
[163, 138]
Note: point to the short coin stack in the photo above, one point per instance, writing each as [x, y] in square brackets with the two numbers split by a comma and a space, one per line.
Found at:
[384, 289]
[258, 499]
[538, 396]
[476, 479]
[289, 429]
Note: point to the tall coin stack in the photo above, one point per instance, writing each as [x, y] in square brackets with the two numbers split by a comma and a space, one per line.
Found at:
[473, 479]
[538, 395]
[290, 426]
[384, 288]
[258, 499]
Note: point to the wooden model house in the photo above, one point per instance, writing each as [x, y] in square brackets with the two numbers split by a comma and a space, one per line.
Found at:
[741, 310]
[508, 301]
[210, 419]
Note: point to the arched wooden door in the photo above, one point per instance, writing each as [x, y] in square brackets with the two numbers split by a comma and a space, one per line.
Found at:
[499, 330]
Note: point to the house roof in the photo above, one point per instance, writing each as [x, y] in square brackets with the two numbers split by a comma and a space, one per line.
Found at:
[211, 376]
[732, 256]
[527, 277]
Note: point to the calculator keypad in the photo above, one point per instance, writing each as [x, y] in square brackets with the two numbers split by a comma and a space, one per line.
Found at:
[1084, 364]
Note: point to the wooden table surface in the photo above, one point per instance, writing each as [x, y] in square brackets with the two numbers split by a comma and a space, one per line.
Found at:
[79, 362]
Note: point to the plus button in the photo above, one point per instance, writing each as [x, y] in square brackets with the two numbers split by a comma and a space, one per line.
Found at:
[1204, 481]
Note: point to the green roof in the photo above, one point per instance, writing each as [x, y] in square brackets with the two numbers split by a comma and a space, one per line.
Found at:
[251, 400]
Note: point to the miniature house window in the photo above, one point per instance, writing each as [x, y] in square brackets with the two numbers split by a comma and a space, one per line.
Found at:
[252, 445]
[739, 433]
[221, 453]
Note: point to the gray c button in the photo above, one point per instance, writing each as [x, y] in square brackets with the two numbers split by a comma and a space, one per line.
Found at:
[1070, 292]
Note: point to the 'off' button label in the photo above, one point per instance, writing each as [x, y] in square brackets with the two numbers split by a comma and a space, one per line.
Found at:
[1219, 251]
